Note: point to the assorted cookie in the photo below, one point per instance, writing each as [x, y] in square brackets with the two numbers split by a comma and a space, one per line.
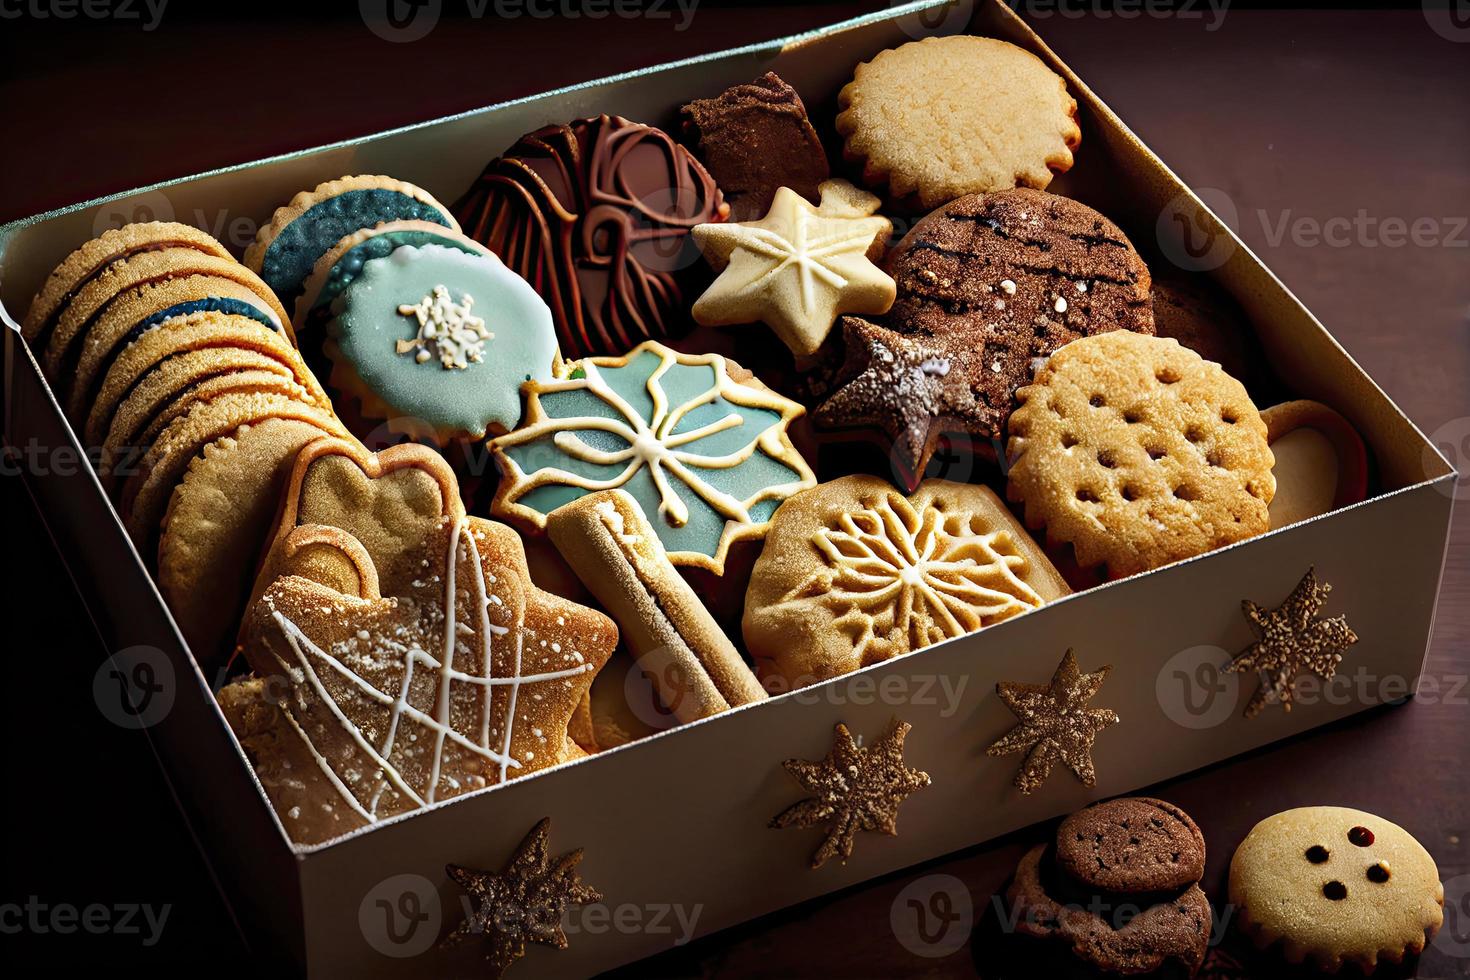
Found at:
[854, 573]
[596, 216]
[1117, 892]
[697, 440]
[379, 649]
[938, 119]
[798, 267]
[989, 286]
[1137, 452]
[1336, 886]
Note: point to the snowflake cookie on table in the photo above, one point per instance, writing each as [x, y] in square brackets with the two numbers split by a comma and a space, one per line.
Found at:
[854, 573]
[696, 439]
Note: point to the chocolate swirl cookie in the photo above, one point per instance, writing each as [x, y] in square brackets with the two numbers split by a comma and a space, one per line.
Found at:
[989, 285]
[596, 216]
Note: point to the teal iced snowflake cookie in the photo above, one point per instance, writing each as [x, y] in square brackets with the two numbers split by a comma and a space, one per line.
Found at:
[706, 456]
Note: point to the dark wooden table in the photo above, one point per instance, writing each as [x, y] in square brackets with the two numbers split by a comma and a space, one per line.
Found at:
[1318, 126]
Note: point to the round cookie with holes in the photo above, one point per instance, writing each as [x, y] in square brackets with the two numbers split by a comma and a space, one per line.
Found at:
[1138, 452]
[1336, 885]
[1131, 846]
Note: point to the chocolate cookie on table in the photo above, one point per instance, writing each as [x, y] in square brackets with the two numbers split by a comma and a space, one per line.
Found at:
[1117, 893]
[596, 216]
[988, 286]
[754, 138]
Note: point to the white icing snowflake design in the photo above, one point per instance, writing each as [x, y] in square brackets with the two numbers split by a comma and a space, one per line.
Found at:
[446, 328]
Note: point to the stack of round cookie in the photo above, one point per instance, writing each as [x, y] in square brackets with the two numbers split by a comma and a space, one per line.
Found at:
[178, 367]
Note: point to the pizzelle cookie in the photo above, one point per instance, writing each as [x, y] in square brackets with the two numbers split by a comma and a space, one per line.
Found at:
[466, 678]
[287, 247]
[936, 119]
[1138, 453]
[988, 285]
[854, 573]
[691, 662]
[1338, 886]
[799, 266]
[93, 257]
[218, 517]
[439, 340]
[697, 440]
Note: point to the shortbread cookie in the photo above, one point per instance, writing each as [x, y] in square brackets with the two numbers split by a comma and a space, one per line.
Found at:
[130, 315]
[218, 518]
[119, 282]
[936, 119]
[596, 215]
[438, 341]
[988, 286]
[145, 494]
[301, 232]
[465, 679]
[854, 573]
[1338, 886]
[1321, 463]
[167, 384]
[691, 662]
[342, 263]
[754, 138]
[1131, 846]
[91, 259]
[798, 267]
[1138, 452]
[134, 364]
[696, 439]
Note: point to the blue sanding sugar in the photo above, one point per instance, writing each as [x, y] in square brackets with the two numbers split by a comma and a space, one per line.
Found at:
[212, 304]
[291, 254]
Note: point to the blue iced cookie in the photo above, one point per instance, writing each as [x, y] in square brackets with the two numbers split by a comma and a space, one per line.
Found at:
[335, 270]
[438, 341]
[696, 439]
[288, 247]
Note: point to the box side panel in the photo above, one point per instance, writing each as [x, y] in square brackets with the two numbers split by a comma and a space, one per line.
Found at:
[230, 819]
[677, 825]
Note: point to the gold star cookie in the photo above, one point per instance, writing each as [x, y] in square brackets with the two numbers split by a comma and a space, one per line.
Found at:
[1055, 724]
[524, 903]
[853, 788]
[1291, 640]
[799, 267]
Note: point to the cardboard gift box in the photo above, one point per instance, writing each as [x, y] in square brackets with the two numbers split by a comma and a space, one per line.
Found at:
[675, 827]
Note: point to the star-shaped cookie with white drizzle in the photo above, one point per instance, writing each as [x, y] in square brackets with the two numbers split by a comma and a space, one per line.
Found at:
[798, 267]
[1055, 724]
[1290, 640]
[522, 903]
[853, 788]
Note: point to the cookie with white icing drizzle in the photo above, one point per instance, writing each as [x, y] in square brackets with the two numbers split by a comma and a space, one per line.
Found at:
[697, 440]
[378, 705]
